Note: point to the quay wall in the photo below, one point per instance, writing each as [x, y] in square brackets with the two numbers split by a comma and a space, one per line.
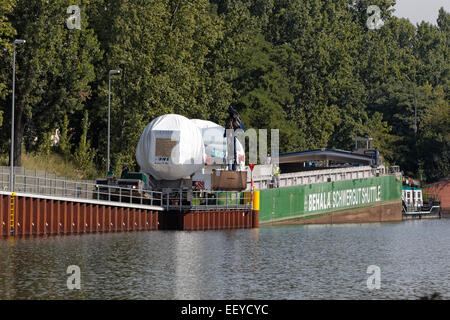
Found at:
[40, 215]
[33, 215]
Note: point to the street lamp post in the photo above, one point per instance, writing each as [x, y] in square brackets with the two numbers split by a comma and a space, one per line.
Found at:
[111, 72]
[11, 175]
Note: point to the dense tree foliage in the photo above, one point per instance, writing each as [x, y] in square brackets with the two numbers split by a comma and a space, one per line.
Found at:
[54, 71]
[310, 68]
[6, 34]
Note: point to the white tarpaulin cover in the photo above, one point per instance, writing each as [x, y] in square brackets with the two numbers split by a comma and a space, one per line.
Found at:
[171, 148]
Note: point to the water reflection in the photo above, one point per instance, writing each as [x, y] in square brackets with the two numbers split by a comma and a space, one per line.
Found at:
[300, 262]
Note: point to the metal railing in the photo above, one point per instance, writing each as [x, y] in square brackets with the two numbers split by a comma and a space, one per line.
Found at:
[80, 190]
[170, 200]
[207, 200]
[411, 210]
[263, 179]
[36, 173]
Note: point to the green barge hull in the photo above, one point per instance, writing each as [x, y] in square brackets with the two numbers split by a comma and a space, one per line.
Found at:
[376, 199]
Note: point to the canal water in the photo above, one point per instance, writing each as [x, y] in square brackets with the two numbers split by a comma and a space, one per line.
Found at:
[298, 262]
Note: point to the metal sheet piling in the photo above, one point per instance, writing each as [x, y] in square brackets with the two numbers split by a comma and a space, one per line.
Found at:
[37, 216]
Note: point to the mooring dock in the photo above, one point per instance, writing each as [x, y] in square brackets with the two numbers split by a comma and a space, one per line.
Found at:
[42, 205]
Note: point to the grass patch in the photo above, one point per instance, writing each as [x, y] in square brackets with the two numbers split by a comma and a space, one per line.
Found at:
[55, 164]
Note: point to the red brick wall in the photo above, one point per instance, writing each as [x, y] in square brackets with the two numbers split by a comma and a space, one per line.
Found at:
[442, 191]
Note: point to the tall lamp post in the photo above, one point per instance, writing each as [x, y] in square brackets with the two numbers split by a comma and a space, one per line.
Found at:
[11, 175]
[111, 72]
[415, 104]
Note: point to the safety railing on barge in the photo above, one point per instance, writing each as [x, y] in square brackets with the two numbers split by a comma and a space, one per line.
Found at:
[206, 200]
[169, 200]
[263, 177]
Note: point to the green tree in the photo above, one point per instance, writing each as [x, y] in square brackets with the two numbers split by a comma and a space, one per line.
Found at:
[434, 135]
[84, 154]
[54, 68]
[6, 38]
[327, 106]
[443, 22]
[383, 140]
[432, 52]
[264, 91]
[161, 48]
[310, 68]
[65, 145]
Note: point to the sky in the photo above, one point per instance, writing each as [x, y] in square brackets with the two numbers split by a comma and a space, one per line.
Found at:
[418, 10]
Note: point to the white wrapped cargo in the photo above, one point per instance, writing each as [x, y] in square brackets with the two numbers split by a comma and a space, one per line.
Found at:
[171, 148]
[215, 143]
